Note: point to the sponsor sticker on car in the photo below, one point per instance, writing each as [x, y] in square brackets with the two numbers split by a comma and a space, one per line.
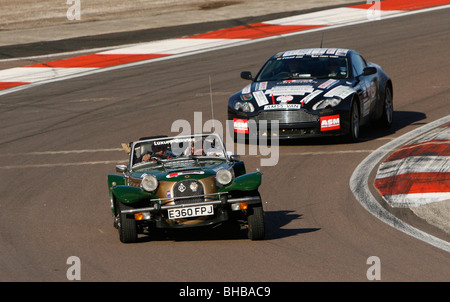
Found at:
[284, 98]
[240, 125]
[332, 122]
[328, 84]
[290, 90]
[260, 98]
[282, 106]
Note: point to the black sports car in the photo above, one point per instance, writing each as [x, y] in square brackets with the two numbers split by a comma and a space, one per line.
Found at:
[312, 92]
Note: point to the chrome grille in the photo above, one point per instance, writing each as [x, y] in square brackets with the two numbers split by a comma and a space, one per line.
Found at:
[186, 188]
[287, 116]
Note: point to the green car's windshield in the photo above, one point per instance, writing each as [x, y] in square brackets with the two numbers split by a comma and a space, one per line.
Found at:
[308, 67]
[177, 151]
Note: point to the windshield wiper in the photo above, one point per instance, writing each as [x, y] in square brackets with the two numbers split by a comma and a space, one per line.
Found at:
[285, 78]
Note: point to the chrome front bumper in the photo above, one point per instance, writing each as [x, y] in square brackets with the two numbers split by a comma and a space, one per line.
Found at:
[223, 200]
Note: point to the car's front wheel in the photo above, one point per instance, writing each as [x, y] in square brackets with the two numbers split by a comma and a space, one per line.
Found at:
[354, 122]
[256, 225]
[126, 225]
[388, 110]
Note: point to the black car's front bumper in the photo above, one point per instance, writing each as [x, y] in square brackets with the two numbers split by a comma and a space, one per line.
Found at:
[291, 124]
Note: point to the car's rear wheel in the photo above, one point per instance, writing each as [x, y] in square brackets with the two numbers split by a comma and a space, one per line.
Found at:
[126, 225]
[255, 220]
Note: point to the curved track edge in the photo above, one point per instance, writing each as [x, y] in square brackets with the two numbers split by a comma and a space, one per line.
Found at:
[360, 187]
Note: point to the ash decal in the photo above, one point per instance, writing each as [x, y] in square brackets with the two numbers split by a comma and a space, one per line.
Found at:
[330, 122]
[240, 125]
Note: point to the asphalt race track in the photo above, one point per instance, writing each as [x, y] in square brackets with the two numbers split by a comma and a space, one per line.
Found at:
[55, 204]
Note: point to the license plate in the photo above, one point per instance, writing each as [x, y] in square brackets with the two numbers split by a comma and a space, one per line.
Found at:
[190, 212]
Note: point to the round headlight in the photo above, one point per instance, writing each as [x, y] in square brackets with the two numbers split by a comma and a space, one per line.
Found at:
[224, 176]
[244, 106]
[149, 183]
[327, 103]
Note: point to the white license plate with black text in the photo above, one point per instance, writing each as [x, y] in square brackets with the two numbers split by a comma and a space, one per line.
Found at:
[190, 212]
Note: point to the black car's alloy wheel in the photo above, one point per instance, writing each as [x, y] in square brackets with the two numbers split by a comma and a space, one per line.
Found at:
[354, 122]
[388, 110]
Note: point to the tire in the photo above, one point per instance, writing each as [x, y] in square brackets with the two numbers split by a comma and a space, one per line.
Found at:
[256, 225]
[353, 136]
[388, 110]
[126, 226]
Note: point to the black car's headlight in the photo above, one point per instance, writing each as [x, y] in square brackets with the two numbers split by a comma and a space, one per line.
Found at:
[244, 106]
[149, 183]
[332, 102]
[224, 177]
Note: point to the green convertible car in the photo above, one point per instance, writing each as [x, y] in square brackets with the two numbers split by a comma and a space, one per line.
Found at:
[183, 182]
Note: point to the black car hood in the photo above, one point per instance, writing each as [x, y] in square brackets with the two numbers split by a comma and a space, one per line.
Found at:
[294, 94]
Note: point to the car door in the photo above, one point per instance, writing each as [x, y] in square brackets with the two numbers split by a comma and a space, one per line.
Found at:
[366, 86]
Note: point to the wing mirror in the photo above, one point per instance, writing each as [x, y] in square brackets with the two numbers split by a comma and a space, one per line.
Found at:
[121, 168]
[232, 156]
[369, 70]
[246, 75]
[235, 157]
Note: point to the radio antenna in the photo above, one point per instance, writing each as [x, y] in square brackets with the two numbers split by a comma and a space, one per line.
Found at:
[212, 106]
[321, 41]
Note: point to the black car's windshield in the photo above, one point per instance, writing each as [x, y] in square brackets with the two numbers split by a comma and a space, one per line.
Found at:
[307, 67]
[176, 151]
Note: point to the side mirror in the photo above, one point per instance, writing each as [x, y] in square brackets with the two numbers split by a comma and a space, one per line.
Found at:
[121, 168]
[369, 70]
[235, 157]
[246, 75]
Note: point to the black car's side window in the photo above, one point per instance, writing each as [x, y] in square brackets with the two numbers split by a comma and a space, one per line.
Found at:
[358, 64]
